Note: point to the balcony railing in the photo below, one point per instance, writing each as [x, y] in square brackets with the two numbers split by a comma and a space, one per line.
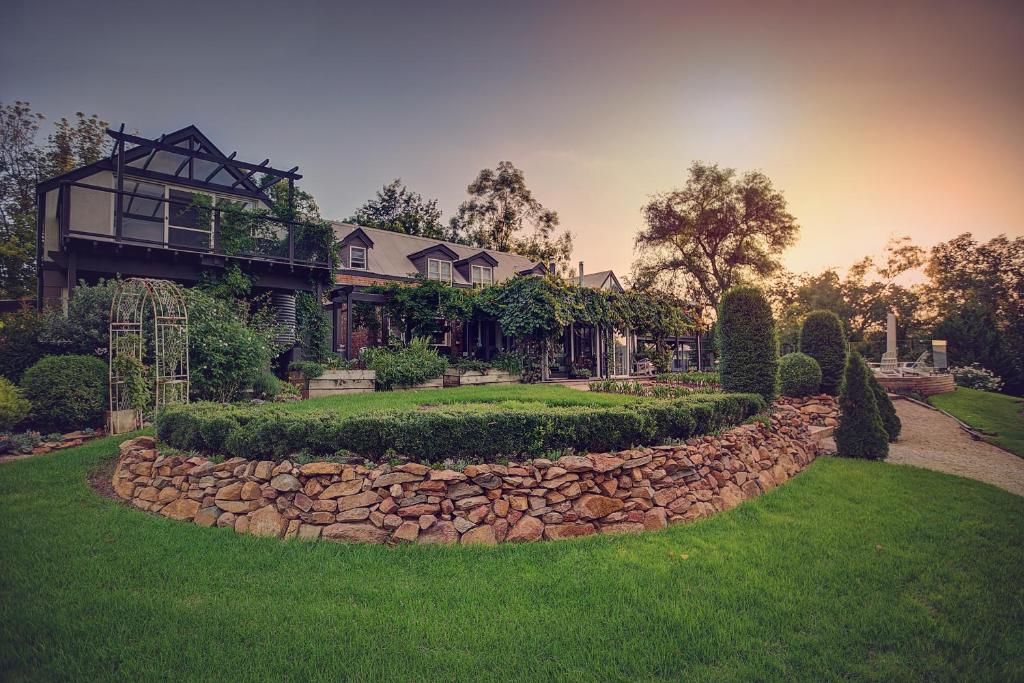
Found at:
[155, 216]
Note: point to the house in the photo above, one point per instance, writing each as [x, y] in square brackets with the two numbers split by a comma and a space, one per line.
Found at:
[175, 208]
[369, 256]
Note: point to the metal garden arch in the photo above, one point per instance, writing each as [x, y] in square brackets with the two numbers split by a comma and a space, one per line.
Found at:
[134, 300]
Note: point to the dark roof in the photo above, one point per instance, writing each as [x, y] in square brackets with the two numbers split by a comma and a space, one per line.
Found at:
[391, 253]
[599, 279]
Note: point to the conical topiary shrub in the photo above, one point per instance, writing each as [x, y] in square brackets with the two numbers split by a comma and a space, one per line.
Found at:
[746, 340]
[886, 410]
[823, 338]
[860, 433]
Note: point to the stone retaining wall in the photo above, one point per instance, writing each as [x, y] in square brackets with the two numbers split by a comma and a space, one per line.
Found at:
[629, 491]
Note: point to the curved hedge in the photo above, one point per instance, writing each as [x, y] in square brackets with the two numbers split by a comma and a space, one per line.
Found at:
[823, 338]
[747, 342]
[799, 375]
[449, 431]
[66, 392]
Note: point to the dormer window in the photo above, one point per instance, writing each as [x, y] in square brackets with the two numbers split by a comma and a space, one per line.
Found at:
[482, 276]
[439, 270]
[357, 258]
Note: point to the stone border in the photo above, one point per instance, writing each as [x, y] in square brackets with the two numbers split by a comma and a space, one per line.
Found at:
[576, 495]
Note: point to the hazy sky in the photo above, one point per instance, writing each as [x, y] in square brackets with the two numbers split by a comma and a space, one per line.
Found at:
[875, 119]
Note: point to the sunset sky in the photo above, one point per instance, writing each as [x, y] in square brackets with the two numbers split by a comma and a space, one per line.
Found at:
[875, 119]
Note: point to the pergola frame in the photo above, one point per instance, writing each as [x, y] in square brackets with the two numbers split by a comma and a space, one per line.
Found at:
[165, 301]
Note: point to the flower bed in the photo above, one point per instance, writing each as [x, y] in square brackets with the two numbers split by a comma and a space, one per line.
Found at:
[575, 495]
[476, 431]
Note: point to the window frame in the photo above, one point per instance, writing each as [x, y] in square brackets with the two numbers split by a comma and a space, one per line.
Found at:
[473, 270]
[351, 250]
[440, 263]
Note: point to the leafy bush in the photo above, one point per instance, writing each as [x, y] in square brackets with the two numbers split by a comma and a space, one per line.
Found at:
[22, 442]
[860, 433]
[85, 330]
[66, 392]
[635, 388]
[799, 375]
[13, 406]
[974, 376]
[746, 337]
[449, 431]
[511, 363]
[471, 365]
[407, 365]
[309, 369]
[19, 342]
[886, 410]
[823, 338]
[229, 346]
[266, 386]
[662, 360]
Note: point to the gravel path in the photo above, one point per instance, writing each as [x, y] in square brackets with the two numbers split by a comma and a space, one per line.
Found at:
[935, 441]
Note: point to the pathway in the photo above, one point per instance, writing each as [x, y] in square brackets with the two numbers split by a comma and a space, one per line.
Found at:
[935, 441]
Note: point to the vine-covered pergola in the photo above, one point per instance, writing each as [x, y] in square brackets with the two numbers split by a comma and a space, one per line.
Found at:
[137, 302]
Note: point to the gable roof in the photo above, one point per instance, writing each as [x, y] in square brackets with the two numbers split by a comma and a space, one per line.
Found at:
[600, 279]
[392, 253]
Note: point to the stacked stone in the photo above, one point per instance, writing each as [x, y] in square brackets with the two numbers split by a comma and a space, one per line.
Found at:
[575, 495]
[819, 411]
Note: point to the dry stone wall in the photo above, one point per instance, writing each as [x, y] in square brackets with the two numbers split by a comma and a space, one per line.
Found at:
[572, 496]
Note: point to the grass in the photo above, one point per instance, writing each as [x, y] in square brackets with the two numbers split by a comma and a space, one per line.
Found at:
[551, 394]
[853, 570]
[998, 416]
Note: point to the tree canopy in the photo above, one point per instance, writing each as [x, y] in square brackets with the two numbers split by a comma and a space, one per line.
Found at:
[718, 230]
[24, 162]
[503, 214]
[399, 209]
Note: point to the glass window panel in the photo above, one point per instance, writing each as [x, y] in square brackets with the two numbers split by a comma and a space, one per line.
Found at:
[193, 239]
[189, 210]
[446, 271]
[433, 269]
[357, 258]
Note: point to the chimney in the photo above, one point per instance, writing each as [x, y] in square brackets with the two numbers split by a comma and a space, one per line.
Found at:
[551, 268]
[581, 273]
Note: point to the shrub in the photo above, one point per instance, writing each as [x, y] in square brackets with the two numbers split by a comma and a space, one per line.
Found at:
[886, 410]
[974, 376]
[85, 330]
[19, 343]
[746, 331]
[309, 369]
[799, 375]
[823, 338]
[407, 365]
[449, 431]
[266, 386]
[13, 406]
[708, 380]
[860, 433]
[66, 392]
[509, 362]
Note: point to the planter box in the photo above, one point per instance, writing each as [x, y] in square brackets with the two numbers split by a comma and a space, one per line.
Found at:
[334, 383]
[454, 377]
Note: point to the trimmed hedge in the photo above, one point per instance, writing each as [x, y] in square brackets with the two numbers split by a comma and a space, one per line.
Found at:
[66, 392]
[823, 338]
[860, 433]
[451, 431]
[799, 375]
[747, 341]
[886, 410]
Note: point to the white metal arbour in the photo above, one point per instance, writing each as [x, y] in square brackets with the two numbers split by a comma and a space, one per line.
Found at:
[134, 299]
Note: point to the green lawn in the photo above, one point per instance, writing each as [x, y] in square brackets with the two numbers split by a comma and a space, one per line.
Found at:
[552, 394]
[999, 416]
[853, 570]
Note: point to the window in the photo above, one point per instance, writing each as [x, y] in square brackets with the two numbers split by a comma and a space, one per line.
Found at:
[357, 258]
[189, 218]
[482, 276]
[439, 270]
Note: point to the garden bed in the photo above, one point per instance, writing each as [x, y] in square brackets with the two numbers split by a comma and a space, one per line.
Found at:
[334, 382]
[454, 377]
[571, 496]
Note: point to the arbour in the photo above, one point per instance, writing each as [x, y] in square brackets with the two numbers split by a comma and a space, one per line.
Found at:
[165, 301]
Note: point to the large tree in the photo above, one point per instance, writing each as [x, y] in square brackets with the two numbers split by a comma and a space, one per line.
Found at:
[399, 209]
[502, 214]
[24, 162]
[718, 230]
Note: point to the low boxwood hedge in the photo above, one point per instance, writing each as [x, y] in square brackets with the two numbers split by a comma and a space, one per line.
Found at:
[448, 431]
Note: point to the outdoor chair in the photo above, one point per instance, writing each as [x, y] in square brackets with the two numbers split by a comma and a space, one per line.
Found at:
[918, 367]
[889, 367]
[644, 367]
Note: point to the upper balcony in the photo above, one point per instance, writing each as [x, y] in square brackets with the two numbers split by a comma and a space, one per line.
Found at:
[181, 194]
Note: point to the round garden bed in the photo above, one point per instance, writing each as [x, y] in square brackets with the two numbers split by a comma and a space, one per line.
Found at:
[575, 495]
